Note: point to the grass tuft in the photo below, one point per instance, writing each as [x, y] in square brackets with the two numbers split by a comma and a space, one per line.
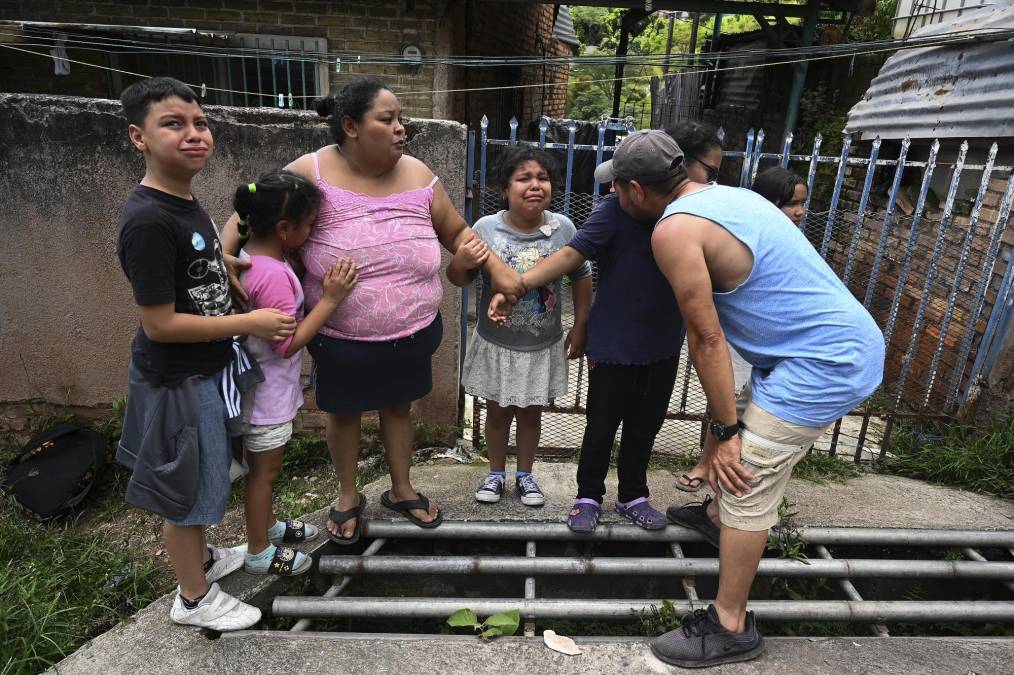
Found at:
[957, 455]
[821, 467]
[59, 587]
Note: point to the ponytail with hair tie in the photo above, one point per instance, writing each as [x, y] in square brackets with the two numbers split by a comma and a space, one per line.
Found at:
[275, 196]
[242, 229]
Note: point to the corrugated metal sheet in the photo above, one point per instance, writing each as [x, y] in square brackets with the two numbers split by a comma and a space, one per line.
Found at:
[563, 29]
[743, 88]
[964, 91]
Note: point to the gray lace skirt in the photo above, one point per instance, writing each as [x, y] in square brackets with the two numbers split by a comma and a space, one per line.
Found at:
[512, 377]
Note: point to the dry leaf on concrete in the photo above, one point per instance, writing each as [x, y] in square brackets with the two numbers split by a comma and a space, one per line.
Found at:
[560, 643]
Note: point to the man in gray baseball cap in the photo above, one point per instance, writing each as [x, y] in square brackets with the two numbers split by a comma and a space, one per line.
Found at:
[646, 170]
[650, 157]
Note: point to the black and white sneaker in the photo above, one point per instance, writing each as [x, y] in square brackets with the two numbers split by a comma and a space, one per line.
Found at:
[491, 489]
[703, 641]
[529, 491]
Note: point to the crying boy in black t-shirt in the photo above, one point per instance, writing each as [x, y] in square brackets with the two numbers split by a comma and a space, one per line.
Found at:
[174, 435]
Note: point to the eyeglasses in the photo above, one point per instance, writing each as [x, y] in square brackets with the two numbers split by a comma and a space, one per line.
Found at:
[712, 170]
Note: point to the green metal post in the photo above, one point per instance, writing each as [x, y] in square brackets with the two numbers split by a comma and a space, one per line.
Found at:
[799, 79]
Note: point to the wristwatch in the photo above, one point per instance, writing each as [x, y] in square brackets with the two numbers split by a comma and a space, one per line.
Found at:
[722, 431]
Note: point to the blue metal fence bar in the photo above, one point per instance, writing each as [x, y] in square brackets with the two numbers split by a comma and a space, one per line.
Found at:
[864, 200]
[931, 272]
[744, 170]
[571, 130]
[469, 205]
[470, 179]
[959, 273]
[599, 149]
[913, 232]
[543, 128]
[720, 134]
[892, 199]
[1000, 312]
[846, 141]
[985, 276]
[483, 142]
[755, 162]
[811, 176]
[514, 130]
[786, 151]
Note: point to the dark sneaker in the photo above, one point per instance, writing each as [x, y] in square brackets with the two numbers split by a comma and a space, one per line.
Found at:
[491, 489]
[529, 491]
[703, 641]
[695, 516]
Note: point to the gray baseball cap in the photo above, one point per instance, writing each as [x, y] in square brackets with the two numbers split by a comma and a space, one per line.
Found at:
[647, 156]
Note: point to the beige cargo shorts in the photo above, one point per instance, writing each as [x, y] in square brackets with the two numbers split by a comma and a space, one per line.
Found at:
[770, 448]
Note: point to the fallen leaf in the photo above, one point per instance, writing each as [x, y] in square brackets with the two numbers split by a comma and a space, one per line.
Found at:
[560, 643]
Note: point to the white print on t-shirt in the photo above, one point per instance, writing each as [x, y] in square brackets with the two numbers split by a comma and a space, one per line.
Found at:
[211, 299]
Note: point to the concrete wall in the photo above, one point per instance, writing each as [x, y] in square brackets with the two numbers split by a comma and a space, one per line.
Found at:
[66, 167]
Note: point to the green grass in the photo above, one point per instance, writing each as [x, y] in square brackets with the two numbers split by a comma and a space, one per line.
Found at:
[817, 467]
[957, 455]
[61, 584]
[59, 587]
[820, 467]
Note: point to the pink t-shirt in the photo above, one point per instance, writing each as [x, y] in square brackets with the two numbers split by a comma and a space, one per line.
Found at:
[272, 283]
[397, 255]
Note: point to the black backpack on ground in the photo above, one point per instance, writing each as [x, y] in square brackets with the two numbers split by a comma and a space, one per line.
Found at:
[55, 470]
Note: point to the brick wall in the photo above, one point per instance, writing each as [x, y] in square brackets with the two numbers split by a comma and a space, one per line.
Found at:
[354, 26]
[936, 301]
[496, 28]
[357, 26]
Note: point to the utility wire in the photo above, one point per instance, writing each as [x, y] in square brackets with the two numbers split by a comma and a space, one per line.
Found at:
[657, 60]
[850, 51]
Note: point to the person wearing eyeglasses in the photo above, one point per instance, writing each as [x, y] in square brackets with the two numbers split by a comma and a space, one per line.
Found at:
[702, 147]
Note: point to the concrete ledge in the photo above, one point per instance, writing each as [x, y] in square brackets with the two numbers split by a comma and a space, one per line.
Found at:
[329, 653]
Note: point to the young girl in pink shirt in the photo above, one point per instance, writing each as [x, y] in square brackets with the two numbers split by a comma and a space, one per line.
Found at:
[276, 214]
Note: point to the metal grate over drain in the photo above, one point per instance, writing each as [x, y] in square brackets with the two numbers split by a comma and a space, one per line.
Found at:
[671, 564]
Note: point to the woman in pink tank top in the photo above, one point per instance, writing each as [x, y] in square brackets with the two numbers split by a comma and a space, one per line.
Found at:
[390, 215]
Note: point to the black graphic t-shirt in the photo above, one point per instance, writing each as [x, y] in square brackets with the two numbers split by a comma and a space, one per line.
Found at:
[170, 251]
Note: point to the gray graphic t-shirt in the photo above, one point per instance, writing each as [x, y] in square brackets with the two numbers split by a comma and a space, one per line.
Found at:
[535, 323]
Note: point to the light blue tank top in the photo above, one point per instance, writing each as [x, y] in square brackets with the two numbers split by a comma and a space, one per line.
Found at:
[815, 350]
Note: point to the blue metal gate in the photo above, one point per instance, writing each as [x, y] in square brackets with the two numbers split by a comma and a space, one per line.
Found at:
[930, 271]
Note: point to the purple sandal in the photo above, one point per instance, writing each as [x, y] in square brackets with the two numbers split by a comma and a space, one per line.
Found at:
[584, 516]
[640, 513]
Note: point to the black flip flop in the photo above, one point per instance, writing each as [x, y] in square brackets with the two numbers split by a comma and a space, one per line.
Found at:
[694, 483]
[339, 518]
[405, 509]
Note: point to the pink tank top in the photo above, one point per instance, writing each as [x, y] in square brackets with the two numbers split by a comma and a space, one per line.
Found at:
[395, 248]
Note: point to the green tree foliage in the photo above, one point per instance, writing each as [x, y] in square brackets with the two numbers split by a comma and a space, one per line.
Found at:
[590, 91]
[876, 27]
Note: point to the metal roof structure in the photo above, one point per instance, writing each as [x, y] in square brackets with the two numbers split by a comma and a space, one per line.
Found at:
[964, 91]
[563, 29]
